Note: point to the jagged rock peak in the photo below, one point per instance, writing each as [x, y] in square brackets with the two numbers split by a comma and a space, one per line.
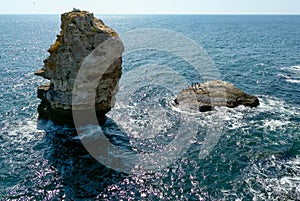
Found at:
[84, 21]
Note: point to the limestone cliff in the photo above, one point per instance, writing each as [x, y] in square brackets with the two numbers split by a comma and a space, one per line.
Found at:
[204, 96]
[81, 35]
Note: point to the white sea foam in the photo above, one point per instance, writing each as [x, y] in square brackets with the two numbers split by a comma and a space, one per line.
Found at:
[22, 132]
[260, 64]
[270, 107]
[293, 81]
[284, 76]
[260, 179]
[281, 186]
[234, 118]
[291, 68]
[273, 125]
[274, 105]
[291, 74]
[296, 68]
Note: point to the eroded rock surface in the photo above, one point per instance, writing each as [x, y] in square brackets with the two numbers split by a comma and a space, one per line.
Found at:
[85, 62]
[204, 96]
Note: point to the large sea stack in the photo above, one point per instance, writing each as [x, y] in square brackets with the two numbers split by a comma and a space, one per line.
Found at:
[205, 96]
[84, 65]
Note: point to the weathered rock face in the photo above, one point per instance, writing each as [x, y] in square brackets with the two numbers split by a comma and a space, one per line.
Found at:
[83, 43]
[204, 96]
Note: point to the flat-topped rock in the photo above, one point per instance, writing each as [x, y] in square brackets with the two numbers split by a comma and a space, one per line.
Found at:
[81, 35]
[204, 96]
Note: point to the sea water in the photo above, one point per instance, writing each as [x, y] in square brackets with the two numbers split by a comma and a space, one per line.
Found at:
[253, 153]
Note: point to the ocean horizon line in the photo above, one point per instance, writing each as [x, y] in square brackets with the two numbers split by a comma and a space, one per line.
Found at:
[235, 14]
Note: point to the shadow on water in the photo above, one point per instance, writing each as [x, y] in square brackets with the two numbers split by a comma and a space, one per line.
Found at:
[80, 175]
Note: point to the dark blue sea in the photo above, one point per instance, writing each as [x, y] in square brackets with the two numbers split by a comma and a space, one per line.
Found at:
[227, 154]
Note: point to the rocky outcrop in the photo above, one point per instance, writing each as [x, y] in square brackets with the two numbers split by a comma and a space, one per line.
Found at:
[84, 65]
[204, 96]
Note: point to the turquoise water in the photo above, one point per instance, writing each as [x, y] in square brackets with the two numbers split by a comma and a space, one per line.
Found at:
[256, 155]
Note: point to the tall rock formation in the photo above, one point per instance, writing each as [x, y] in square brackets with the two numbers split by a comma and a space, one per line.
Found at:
[84, 65]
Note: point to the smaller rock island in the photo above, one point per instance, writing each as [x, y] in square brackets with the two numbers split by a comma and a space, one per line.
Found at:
[81, 35]
[203, 97]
